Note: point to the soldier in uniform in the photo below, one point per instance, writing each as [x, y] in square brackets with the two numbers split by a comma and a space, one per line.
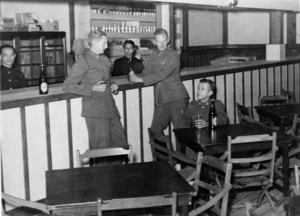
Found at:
[90, 77]
[10, 77]
[162, 70]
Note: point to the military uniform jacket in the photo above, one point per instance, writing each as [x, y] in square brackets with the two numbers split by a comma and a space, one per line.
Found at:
[162, 69]
[87, 71]
[11, 78]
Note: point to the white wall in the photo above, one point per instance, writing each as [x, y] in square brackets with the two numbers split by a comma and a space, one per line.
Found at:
[44, 10]
[205, 28]
[248, 28]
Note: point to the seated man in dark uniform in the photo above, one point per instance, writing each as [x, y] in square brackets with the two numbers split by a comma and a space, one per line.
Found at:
[122, 66]
[10, 77]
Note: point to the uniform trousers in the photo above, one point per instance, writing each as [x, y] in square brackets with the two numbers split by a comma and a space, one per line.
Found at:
[166, 112]
[105, 132]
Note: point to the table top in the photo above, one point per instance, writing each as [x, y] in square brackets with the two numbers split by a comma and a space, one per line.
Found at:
[213, 143]
[281, 110]
[80, 185]
[283, 114]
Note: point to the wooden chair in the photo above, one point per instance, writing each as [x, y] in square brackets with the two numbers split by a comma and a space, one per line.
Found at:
[293, 153]
[290, 95]
[244, 114]
[138, 203]
[218, 189]
[105, 152]
[18, 202]
[296, 187]
[253, 176]
[162, 150]
[273, 100]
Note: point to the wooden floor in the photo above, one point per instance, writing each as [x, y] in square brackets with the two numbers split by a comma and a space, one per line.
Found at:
[263, 210]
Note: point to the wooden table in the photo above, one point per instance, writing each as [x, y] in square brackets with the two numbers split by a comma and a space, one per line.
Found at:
[75, 191]
[202, 140]
[281, 115]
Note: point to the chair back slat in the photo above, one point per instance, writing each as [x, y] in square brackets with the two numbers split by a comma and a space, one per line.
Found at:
[273, 100]
[138, 203]
[105, 152]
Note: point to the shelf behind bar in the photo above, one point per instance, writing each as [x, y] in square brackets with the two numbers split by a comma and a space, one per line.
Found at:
[114, 17]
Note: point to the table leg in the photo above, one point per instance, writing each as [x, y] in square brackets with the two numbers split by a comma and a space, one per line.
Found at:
[184, 210]
[286, 172]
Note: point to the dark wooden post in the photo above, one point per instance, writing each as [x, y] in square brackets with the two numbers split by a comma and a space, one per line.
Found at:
[276, 27]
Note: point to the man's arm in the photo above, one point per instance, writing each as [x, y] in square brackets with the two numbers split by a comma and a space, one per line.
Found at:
[73, 82]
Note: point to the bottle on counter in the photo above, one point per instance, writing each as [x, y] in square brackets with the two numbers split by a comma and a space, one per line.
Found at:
[43, 83]
[212, 118]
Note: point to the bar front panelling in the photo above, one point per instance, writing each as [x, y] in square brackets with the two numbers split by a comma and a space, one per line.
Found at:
[220, 88]
[255, 87]
[59, 135]
[79, 130]
[230, 106]
[284, 75]
[119, 103]
[270, 81]
[247, 88]
[297, 82]
[37, 150]
[148, 109]
[239, 91]
[278, 80]
[133, 127]
[12, 153]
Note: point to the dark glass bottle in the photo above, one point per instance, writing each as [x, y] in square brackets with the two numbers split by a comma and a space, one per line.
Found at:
[43, 83]
[212, 118]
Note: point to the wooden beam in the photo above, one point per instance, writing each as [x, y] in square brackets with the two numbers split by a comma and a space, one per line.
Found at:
[185, 28]
[158, 10]
[276, 27]
[172, 27]
[291, 28]
[72, 22]
[225, 28]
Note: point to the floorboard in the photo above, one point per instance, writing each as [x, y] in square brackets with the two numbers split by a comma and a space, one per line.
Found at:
[239, 198]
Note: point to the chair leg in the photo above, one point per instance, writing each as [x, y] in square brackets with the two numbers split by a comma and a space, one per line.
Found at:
[262, 195]
[270, 201]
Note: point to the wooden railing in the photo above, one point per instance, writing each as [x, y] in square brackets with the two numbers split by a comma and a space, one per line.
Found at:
[41, 133]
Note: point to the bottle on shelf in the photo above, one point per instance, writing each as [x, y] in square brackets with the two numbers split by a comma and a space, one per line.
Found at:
[43, 83]
[212, 118]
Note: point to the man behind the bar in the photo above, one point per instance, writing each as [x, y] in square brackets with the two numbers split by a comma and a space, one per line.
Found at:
[10, 77]
[123, 65]
[162, 70]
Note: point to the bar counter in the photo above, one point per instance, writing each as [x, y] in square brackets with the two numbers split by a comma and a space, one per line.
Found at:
[30, 96]
[44, 132]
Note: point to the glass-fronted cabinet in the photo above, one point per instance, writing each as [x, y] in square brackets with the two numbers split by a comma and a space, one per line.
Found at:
[35, 48]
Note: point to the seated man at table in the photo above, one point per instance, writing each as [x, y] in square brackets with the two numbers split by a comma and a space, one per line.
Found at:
[206, 92]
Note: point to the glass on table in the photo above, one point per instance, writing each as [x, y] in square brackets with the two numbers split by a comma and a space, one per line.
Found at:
[196, 120]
